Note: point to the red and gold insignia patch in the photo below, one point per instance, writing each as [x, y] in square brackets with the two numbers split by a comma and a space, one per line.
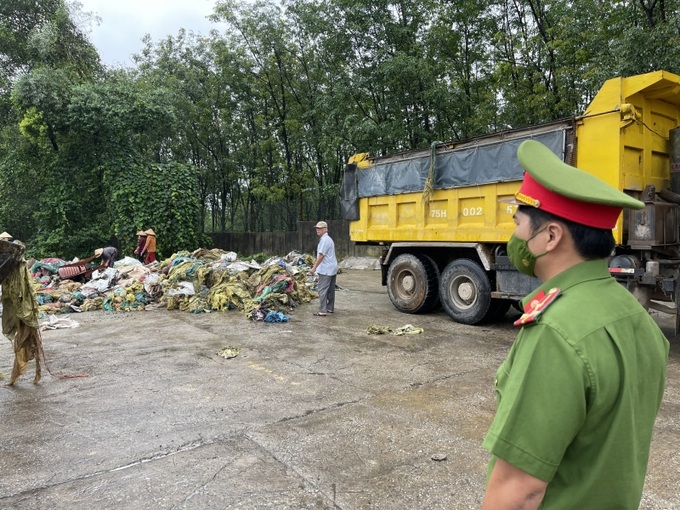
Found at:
[537, 305]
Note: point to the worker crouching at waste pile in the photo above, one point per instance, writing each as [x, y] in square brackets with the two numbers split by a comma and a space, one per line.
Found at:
[108, 255]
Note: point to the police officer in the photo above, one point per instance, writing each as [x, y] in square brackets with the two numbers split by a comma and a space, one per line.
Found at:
[582, 384]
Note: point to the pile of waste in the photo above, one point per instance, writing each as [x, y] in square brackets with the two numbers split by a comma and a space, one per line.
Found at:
[199, 281]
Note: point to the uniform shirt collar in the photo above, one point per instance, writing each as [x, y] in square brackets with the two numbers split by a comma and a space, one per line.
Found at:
[582, 272]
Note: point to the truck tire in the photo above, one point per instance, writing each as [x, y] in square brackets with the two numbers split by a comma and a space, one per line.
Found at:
[412, 283]
[465, 292]
[432, 302]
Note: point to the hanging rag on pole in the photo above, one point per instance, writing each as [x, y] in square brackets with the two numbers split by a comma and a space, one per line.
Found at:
[19, 310]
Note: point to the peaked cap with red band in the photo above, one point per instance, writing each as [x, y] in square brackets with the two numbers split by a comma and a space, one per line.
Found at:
[553, 186]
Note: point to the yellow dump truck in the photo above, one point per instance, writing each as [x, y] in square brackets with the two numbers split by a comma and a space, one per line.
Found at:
[436, 211]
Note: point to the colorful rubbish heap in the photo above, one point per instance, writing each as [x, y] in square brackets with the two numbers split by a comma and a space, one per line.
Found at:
[199, 281]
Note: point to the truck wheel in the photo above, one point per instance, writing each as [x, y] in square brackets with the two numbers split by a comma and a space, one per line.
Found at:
[465, 292]
[412, 283]
[433, 284]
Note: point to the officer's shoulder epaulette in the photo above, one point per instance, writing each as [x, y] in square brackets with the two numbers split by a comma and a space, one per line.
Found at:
[537, 305]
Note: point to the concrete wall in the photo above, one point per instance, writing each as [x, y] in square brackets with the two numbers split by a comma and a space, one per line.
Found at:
[304, 240]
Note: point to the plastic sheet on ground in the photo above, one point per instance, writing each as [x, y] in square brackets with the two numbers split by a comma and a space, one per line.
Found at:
[54, 322]
[273, 316]
[408, 329]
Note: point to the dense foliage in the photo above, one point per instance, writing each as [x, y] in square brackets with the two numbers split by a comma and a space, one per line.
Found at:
[249, 129]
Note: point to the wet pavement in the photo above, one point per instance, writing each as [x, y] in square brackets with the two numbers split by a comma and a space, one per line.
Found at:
[314, 413]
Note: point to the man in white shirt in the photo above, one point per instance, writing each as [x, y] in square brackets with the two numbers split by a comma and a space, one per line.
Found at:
[326, 266]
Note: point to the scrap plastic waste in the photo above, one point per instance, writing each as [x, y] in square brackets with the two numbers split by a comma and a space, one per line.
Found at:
[199, 281]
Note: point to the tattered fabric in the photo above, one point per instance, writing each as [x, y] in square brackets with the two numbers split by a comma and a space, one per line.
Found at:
[20, 321]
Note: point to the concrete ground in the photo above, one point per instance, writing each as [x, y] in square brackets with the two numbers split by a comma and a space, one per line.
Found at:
[312, 414]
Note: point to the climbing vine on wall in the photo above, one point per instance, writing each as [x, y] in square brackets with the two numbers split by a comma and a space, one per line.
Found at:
[163, 197]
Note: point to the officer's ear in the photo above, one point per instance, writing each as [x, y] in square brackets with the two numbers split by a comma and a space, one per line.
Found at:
[557, 235]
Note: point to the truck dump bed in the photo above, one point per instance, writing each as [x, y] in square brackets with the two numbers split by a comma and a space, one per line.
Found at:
[622, 138]
[467, 180]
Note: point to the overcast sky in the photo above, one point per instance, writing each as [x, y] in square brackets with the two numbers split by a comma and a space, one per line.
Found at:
[125, 22]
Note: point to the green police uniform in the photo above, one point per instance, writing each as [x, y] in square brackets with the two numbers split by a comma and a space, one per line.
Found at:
[579, 392]
[581, 387]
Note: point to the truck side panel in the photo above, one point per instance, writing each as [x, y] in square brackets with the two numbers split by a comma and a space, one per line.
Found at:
[470, 214]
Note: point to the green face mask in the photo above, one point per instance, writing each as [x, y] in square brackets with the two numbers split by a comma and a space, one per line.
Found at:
[520, 255]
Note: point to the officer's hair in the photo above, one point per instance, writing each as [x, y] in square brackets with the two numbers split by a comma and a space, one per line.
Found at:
[590, 242]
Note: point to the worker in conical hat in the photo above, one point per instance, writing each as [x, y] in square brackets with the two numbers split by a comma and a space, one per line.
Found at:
[141, 242]
[579, 391]
[150, 246]
[6, 236]
[108, 255]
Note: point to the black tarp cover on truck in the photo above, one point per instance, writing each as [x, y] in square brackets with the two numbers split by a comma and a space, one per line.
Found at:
[486, 160]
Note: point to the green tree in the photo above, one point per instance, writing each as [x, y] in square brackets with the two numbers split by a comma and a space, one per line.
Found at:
[208, 93]
[652, 36]
[463, 97]
[44, 55]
